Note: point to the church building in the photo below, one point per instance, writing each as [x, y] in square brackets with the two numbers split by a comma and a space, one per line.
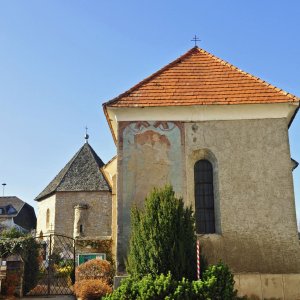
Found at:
[220, 136]
[77, 202]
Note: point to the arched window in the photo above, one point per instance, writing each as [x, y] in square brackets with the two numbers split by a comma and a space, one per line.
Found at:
[81, 228]
[47, 217]
[204, 197]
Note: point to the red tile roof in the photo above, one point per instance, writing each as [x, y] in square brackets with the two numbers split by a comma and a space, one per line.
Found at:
[200, 78]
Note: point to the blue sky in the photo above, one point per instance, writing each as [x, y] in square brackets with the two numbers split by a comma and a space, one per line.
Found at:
[60, 60]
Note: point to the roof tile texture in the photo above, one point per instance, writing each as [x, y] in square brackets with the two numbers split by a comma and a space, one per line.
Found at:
[200, 78]
[81, 173]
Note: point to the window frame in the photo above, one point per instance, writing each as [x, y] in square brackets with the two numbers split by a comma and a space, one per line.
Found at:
[204, 197]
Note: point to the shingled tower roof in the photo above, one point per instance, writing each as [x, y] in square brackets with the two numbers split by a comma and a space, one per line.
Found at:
[81, 173]
[200, 78]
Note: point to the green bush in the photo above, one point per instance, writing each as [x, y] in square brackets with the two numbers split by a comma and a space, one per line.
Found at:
[217, 284]
[153, 288]
[162, 237]
[223, 287]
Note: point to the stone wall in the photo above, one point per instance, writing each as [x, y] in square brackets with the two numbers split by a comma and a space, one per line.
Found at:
[97, 220]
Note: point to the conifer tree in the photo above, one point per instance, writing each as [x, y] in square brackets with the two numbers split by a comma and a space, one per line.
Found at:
[162, 237]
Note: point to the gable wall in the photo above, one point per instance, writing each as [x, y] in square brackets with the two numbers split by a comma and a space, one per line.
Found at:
[255, 210]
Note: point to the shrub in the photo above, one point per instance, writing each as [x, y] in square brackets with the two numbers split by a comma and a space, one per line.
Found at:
[150, 287]
[12, 233]
[91, 289]
[217, 284]
[95, 269]
[223, 286]
[162, 237]
[158, 288]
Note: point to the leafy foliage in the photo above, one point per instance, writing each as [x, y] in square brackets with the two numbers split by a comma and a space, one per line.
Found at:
[217, 284]
[91, 289]
[11, 233]
[154, 288]
[100, 246]
[162, 237]
[223, 288]
[13, 242]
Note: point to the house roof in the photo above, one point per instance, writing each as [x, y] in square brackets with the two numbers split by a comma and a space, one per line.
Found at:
[16, 202]
[200, 78]
[81, 173]
[20, 212]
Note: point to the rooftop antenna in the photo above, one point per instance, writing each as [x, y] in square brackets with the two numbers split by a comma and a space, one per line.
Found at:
[3, 184]
[195, 39]
[86, 137]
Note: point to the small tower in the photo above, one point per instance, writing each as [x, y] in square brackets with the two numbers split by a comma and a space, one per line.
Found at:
[80, 217]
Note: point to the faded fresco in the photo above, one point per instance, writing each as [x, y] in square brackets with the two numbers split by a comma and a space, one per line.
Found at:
[152, 157]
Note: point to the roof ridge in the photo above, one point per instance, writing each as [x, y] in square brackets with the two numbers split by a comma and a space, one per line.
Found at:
[68, 168]
[228, 64]
[94, 154]
[96, 157]
[82, 172]
[153, 75]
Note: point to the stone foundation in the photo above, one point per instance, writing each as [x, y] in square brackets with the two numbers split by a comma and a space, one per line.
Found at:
[258, 286]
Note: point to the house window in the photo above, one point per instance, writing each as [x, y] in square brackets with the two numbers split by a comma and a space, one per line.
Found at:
[204, 197]
[47, 217]
[81, 228]
[11, 210]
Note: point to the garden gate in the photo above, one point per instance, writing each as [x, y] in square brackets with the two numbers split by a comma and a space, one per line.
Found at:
[56, 272]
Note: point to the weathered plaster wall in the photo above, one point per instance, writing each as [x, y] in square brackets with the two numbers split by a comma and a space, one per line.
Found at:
[97, 221]
[253, 186]
[150, 154]
[43, 205]
[254, 198]
[114, 225]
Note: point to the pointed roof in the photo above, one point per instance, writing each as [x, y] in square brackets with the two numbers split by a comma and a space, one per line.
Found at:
[81, 173]
[200, 78]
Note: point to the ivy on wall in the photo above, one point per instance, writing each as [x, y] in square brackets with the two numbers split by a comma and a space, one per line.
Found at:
[13, 242]
[99, 246]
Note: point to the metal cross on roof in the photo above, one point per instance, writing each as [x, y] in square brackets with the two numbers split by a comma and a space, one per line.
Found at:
[195, 39]
[86, 137]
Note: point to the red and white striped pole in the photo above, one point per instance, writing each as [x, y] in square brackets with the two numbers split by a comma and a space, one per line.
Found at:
[198, 260]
